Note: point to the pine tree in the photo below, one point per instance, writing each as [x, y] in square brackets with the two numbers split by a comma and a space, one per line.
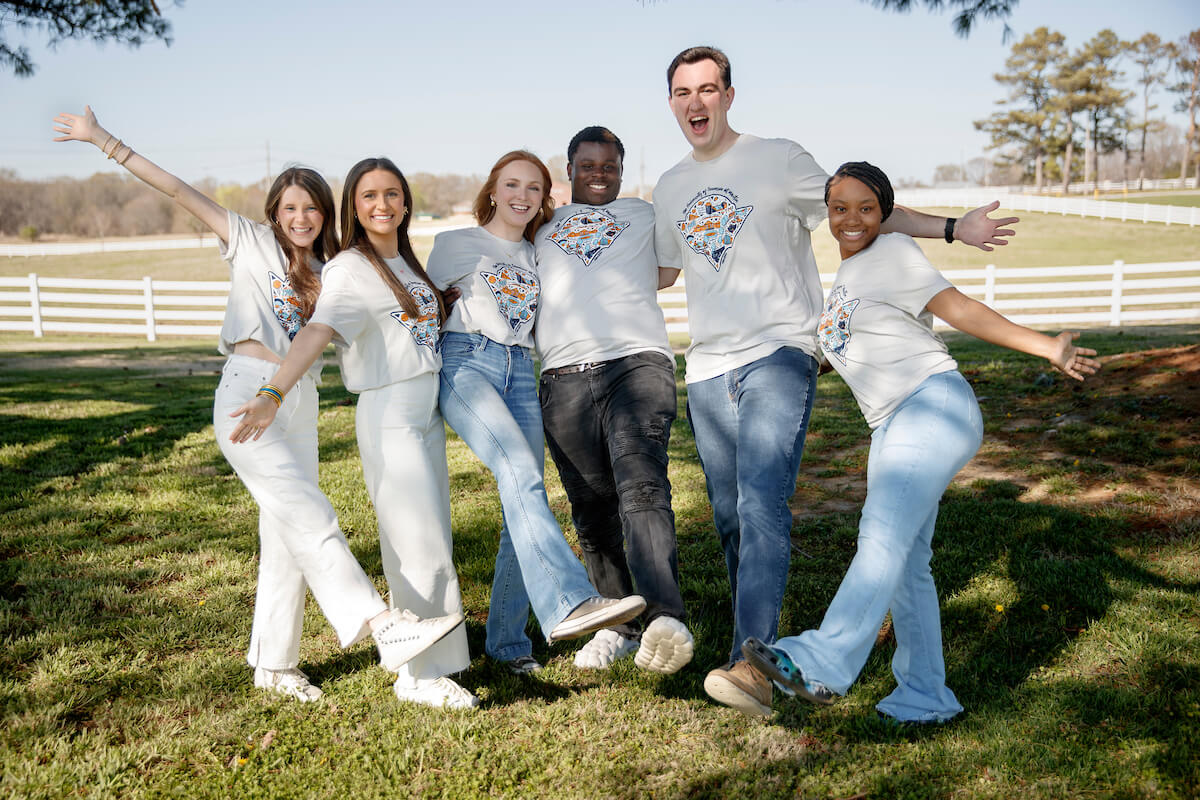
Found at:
[1187, 62]
[1153, 57]
[131, 22]
[1087, 82]
[1030, 120]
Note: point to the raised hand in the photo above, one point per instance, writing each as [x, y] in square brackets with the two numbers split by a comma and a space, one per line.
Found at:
[977, 229]
[79, 127]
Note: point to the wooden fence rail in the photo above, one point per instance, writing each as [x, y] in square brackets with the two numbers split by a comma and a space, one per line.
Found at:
[1108, 294]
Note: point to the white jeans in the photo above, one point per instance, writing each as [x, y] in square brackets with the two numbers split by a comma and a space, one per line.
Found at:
[300, 541]
[402, 442]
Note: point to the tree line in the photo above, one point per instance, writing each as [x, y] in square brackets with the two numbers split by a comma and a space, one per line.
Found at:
[110, 204]
[1065, 108]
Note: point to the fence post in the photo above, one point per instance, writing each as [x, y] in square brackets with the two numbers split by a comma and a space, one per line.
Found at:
[989, 286]
[1118, 275]
[148, 292]
[35, 304]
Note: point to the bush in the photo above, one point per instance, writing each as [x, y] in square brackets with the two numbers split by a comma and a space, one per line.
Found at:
[28, 232]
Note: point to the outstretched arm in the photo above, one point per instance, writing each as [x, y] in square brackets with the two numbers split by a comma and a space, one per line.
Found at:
[259, 412]
[973, 317]
[975, 227]
[84, 128]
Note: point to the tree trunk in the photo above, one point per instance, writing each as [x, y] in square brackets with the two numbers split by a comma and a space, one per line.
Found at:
[1070, 152]
[1191, 134]
[1037, 171]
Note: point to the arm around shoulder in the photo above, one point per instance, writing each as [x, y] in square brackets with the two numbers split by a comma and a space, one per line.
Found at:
[975, 227]
[258, 413]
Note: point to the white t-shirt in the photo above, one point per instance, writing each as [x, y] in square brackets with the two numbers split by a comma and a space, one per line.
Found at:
[738, 226]
[599, 284]
[378, 343]
[261, 304]
[498, 280]
[875, 330]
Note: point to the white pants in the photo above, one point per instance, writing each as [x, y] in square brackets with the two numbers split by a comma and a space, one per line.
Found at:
[300, 541]
[402, 442]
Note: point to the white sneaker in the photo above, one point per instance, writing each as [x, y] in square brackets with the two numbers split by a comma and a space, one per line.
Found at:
[287, 682]
[596, 613]
[437, 692]
[667, 645]
[404, 635]
[605, 649]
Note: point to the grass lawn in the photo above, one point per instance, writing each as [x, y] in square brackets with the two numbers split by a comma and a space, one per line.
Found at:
[1067, 560]
[1183, 199]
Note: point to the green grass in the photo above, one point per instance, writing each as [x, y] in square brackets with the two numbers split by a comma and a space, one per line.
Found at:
[128, 570]
[1186, 199]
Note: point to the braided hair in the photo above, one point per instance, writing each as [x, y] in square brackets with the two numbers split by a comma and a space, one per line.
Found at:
[874, 179]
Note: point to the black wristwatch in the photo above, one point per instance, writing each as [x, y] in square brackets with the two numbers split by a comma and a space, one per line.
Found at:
[950, 229]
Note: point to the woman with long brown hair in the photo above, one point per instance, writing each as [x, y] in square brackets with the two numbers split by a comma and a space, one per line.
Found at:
[275, 275]
[384, 314]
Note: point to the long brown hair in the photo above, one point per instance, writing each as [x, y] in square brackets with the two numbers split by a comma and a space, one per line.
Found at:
[355, 236]
[485, 209]
[303, 280]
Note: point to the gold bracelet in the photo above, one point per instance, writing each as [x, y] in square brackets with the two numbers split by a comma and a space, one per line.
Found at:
[128, 153]
[271, 391]
[116, 147]
[107, 142]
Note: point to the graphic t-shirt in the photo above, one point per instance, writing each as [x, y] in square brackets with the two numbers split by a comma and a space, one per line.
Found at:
[261, 304]
[378, 342]
[739, 226]
[599, 284]
[875, 330]
[498, 280]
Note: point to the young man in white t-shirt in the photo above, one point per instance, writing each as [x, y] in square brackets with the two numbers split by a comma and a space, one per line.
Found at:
[737, 213]
[608, 400]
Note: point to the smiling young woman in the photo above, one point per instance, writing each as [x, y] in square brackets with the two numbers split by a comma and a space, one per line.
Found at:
[489, 396]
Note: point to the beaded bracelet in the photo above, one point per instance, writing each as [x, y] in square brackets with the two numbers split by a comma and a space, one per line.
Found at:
[268, 390]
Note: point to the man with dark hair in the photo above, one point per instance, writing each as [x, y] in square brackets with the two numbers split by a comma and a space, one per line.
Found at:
[608, 399]
[737, 213]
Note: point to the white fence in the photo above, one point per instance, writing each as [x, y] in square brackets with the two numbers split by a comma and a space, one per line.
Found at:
[1108, 294]
[1066, 206]
[1105, 294]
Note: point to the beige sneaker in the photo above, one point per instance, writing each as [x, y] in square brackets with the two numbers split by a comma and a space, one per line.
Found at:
[595, 613]
[742, 687]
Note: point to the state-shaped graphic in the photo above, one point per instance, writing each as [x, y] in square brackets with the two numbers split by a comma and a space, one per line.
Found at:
[424, 328]
[286, 305]
[587, 233]
[710, 226]
[516, 291]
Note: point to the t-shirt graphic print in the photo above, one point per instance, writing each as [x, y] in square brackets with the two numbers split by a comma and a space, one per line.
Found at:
[833, 329]
[711, 223]
[587, 233]
[424, 328]
[516, 292]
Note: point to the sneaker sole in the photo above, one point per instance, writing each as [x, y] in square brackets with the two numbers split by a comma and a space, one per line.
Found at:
[454, 621]
[665, 652]
[727, 693]
[606, 659]
[763, 659]
[623, 611]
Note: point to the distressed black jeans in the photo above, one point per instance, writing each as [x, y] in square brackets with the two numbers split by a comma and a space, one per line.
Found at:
[607, 428]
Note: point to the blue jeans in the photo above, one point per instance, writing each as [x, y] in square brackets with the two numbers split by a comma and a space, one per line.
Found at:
[914, 455]
[749, 426]
[489, 397]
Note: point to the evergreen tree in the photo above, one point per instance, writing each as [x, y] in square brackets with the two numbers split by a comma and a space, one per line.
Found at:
[131, 22]
[1153, 57]
[1030, 120]
[1087, 82]
[1187, 62]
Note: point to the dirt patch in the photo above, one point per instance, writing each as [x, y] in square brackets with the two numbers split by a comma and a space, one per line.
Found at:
[1132, 441]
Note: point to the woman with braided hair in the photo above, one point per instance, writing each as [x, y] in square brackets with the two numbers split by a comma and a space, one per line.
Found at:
[877, 332]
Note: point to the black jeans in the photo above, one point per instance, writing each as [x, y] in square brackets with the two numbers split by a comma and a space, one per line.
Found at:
[607, 428]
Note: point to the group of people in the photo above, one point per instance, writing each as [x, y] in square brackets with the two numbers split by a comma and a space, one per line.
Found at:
[453, 342]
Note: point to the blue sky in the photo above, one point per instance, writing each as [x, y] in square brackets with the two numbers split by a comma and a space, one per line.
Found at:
[447, 87]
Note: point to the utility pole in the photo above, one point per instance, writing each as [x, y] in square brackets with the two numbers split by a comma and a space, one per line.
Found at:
[267, 182]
